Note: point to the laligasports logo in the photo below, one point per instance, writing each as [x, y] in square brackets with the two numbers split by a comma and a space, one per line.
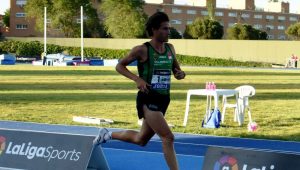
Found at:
[29, 151]
[226, 163]
[2, 144]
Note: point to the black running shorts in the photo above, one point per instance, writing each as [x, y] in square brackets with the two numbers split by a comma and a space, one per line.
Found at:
[154, 101]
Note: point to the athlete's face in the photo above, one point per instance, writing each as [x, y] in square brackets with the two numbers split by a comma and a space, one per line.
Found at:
[162, 34]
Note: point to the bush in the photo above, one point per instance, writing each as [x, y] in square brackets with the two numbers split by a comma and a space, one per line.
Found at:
[206, 61]
[246, 32]
[30, 49]
[97, 52]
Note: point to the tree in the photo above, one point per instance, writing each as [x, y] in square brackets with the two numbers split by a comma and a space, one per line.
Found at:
[174, 34]
[187, 32]
[63, 14]
[124, 18]
[293, 31]
[6, 18]
[205, 29]
[246, 32]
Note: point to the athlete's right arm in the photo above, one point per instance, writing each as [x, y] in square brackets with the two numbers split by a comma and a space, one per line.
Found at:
[137, 53]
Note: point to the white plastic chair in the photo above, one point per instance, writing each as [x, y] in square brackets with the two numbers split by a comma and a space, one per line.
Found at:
[245, 92]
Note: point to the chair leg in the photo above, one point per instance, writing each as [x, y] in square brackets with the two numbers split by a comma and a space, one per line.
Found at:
[249, 114]
[235, 114]
[223, 114]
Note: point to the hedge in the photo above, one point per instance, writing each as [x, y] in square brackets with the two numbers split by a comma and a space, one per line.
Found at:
[35, 49]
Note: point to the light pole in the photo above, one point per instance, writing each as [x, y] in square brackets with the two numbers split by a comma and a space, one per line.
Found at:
[81, 23]
[45, 34]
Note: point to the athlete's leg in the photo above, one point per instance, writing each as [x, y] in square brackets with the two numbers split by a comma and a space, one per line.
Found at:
[140, 138]
[157, 122]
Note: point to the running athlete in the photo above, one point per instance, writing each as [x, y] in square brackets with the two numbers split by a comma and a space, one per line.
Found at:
[156, 61]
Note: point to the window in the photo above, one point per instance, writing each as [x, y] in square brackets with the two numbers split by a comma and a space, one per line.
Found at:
[176, 11]
[219, 14]
[232, 14]
[257, 16]
[21, 2]
[281, 37]
[188, 22]
[269, 27]
[281, 27]
[245, 15]
[20, 15]
[176, 22]
[204, 13]
[270, 17]
[281, 18]
[160, 10]
[293, 19]
[21, 26]
[231, 24]
[193, 12]
[258, 26]
[270, 37]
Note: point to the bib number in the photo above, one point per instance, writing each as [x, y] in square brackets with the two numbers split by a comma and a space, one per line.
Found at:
[161, 79]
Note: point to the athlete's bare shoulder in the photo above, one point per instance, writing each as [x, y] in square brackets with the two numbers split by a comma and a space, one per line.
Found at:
[140, 52]
[172, 47]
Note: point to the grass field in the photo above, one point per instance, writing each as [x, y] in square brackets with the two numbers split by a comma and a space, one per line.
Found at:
[55, 94]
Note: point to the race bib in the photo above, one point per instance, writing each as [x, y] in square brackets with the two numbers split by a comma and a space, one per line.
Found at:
[161, 79]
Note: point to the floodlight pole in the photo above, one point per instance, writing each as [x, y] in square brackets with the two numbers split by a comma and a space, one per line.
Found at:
[45, 32]
[81, 18]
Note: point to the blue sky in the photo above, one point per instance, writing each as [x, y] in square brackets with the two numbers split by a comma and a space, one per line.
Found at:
[294, 4]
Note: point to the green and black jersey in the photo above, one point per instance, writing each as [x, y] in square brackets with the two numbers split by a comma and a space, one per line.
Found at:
[157, 69]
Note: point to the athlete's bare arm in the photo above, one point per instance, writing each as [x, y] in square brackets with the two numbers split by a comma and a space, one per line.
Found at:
[137, 53]
[178, 73]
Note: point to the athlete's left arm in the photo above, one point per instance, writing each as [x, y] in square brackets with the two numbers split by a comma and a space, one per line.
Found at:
[178, 73]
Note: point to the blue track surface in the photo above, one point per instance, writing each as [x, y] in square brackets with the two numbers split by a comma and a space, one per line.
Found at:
[190, 149]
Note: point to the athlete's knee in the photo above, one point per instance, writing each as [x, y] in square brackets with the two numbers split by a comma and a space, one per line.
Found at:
[141, 141]
[168, 138]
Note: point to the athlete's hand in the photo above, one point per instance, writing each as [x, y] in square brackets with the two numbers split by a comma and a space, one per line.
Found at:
[179, 74]
[142, 85]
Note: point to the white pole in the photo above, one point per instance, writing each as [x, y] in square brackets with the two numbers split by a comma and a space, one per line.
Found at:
[81, 11]
[45, 34]
[45, 30]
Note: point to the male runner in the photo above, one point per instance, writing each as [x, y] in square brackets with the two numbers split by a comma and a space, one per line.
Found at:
[156, 60]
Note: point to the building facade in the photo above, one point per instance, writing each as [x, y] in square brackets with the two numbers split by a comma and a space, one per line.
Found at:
[273, 21]
[275, 18]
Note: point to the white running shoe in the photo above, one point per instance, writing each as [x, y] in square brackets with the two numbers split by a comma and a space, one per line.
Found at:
[102, 137]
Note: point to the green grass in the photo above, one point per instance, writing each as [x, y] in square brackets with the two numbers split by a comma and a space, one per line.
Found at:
[55, 94]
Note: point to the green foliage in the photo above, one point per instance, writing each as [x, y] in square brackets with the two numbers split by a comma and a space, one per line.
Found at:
[64, 14]
[29, 49]
[9, 46]
[187, 32]
[246, 32]
[205, 29]
[174, 34]
[6, 17]
[124, 18]
[97, 53]
[206, 61]
[294, 31]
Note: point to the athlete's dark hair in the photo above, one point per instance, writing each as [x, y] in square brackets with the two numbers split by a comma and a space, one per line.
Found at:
[154, 22]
